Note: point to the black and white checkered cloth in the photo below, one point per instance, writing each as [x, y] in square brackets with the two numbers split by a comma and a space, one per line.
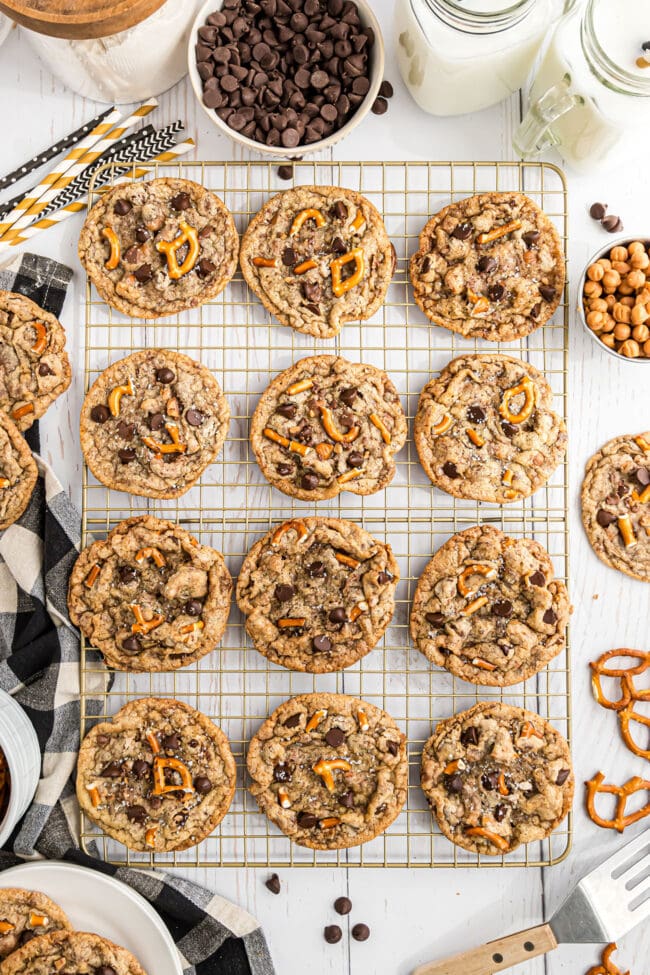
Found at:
[39, 667]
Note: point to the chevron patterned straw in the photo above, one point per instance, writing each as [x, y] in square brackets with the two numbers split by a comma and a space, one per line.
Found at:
[164, 157]
[56, 182]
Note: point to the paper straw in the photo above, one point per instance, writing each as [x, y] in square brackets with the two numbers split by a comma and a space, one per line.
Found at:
[51, 153]
[57, 182]
[164, 157]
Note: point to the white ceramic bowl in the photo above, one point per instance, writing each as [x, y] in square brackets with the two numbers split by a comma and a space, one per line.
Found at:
[604, 252]
[20, 745]
[377, 56]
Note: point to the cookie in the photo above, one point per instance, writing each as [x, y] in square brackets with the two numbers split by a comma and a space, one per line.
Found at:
[158, 776]
[488, 608]
[326, 425]
[27, 914]
[329, 770]
[71, 951]
[485, 429]
[616, 504]
[152, 422]
[18, 472]
[489, 267]
[34, 366]
[149, 596]
[318, 257]
[317, 593]
[497, 776]
[158, 247]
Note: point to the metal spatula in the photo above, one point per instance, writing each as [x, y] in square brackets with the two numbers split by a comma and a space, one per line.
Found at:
[605, 905]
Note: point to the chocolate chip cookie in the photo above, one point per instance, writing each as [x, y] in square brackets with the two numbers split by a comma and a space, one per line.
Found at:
[158, 247]
[34, 366]
[318, 257]
[149, 596]
[616, 504]
[152, 422]
[489, 267]
[488, 608]
[158, 776]
[326, 425]
[497, 776]
[27, 914]
[485, 429]
[317, 593]
[71, 952]
[18, 472]
[329, 770]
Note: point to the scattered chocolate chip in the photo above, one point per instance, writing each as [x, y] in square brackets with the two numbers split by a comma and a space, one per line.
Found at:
[132, 644]
[282, 772]
[292, 721]
[500, 812]
[122, 207]
[285, 172]
[126, 430]
[537, 578]
[127, 574]
[284, 470]
[306, 820]
[547, 292]
[171, 742]
[126, 455]
[642, 475]
[530, 238]
[476, 414]
[383, 577]
[463, 231]
[44, 369]
[508, 428]
[284, 594]
[332, 934]
[273, 883]
[487, 263]
[111, 771]
[549, 617]
[142, 234]
[597, 210]
[469, 736]
[194, 418]
[141, 768]
[490, 781]
[143, 273]
[316, 570]
[287, 410]
[360, 932]
[355, 459]
[436, 619]
[535, 310]
[335, 737]
[181, 201]
[386, 89]
[193, 607]
[205, 268]
[379, 106]
[337, 615]
[612, 224]
[202, 785]
[156, 421]
[449, 469]
[132, 254]
[503, 607]
[309, 482]
[338, 246]
[562, 776]
[342, 905]
[496, 292]
[454, 783]
[348, 396]
[321, 644]
[289, 257]
[100, 414]
[136, 814]
[165, 376]
[347, 799]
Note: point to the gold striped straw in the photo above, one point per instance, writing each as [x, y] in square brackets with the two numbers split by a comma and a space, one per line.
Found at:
[58, 180]
[68, 211]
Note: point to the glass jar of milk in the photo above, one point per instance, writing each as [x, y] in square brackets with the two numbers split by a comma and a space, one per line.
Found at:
[459, 56]
[591, 94]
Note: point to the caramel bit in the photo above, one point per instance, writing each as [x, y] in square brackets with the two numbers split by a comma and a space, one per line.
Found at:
[442, 426]
[116, 394]
[21, 411]
[93, 792]
[91, 578]
[381, 426]
[493, 838]
[300, 387]
[264, 262]
[283, 799]
[293, 445]
[309, 214]
[349, 475]
[299, 527]
[142, 625]
[324, 450]
[169, 248]
[161, 787]
[116, 253]
[627, 531]
[620, 821]
[502, 231]
[479, 569]
[525, 386]
[324, 768]
[291, 622]
[347, 560]
[41, 337]
[478, 661]
[327, 419]
[150, 836]
[151, 553]
[315, 719]
[475, 437]
[339, 286]
[475, 605]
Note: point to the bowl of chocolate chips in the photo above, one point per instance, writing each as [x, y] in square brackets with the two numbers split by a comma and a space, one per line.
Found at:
[286, 77]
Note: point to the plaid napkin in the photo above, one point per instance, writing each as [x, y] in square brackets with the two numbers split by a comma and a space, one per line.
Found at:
[39, 667]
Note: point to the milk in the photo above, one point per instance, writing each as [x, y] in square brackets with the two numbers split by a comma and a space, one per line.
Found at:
[601, 125]
[450, 70]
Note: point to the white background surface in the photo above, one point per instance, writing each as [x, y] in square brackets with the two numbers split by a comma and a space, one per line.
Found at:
[413, 915]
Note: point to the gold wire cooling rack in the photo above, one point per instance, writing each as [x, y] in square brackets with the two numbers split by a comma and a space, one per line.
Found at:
[232, 506]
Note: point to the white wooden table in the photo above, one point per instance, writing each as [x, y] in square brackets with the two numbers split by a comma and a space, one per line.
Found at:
[420, 914]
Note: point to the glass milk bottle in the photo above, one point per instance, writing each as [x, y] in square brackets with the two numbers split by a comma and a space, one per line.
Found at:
[591, 94]
[459, 56]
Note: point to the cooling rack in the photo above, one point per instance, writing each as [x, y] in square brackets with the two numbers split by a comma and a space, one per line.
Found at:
[232, 506]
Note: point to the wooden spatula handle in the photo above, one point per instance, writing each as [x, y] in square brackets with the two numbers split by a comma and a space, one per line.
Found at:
[496, 955]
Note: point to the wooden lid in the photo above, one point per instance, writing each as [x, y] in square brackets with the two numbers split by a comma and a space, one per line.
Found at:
[79, 18]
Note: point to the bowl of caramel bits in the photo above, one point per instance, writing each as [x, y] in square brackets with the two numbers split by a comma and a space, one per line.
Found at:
[615, 299]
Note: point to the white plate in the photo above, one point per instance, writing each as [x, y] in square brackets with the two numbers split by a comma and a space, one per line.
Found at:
[95, 902]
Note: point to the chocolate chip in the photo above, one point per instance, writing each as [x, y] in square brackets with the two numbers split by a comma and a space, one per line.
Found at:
[193, 607]
[379, 106]
[171, 742]
[306, 820]
[508, 428]
[100, 413]
[469, 736]
[537, 578]
[547, 292]
[284, 593]
[285, 172]
[612, 224]
[335, 737]
[309, 482]
[462, 231]
[122, 207]
[44, 369]
[503, 607]
[289, 257]
[111, 771]
[535, 310]
[436, 619]
[136, 814]
[347, 799]
[490, 781]
[562, 776]
[165, 376]
[292, 721]
[476, 414]
[194, 418]
[284, 469]
[321, 644]
[355, 459]
[342, 905]
[273, 883]
[126, 455]
[487, 263]
[332, 934]
[141, 768]
[143, 273]
[205, 268]
[127, 574]
[311, 291]
[360, 932]
[530, 238]
[337, 615]
[181, 201]
[450, 470]
[386, 89]
[132, 644]
[348, 396]
[26, 936]
[282, 772]
[496, 292]
[642, 475]
[126, 430]
[202, 785]
[597, 210]
[142, 234]
[316, 570]
[132, 255]
[500, 812]
[105, 970]
[338, 246]
[549, 617]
